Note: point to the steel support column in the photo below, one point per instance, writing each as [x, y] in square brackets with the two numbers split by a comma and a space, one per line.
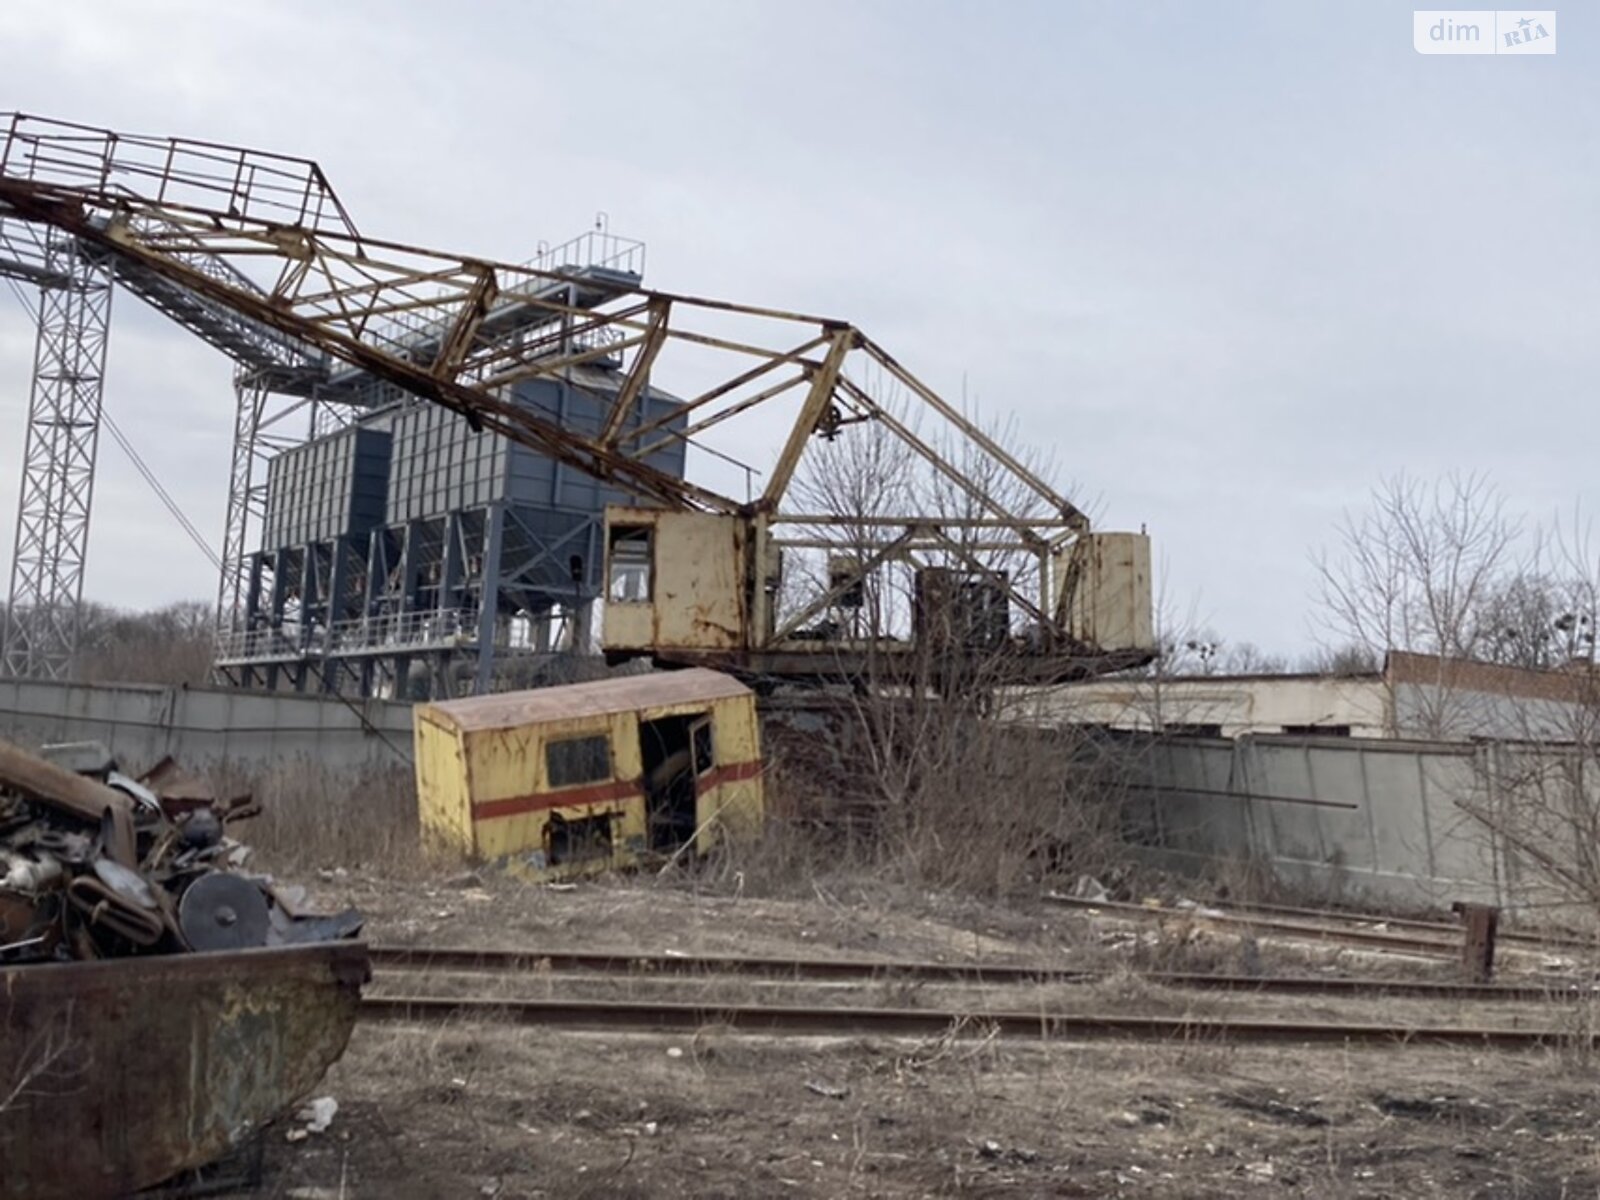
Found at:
[489, 598]
[246, 503]
[52, 533]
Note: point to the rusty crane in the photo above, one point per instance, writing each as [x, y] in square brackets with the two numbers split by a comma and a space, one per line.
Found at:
[255, 251]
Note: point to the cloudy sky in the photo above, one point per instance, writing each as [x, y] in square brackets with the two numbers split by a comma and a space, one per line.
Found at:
[1230, 262]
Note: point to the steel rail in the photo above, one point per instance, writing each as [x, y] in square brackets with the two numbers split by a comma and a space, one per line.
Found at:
[1303, 929]
[1563, 939]
[839, 1021]
[426, 959]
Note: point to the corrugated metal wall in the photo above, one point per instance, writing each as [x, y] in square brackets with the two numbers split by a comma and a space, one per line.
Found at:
[333, 487]
[423, 461]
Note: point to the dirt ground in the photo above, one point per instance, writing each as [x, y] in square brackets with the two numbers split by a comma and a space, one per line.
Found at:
[480, 1110]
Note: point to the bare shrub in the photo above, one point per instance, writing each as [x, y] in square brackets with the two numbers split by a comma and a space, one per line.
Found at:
[1537, 799]
[313, 817]
[975, 790]
[171, 645]
[938, 768]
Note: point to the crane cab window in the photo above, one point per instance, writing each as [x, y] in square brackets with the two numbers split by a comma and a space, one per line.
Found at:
[700, 742]
[578, 760]
[630, 558]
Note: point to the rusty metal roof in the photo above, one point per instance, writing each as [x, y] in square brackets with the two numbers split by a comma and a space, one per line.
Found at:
[509, 710]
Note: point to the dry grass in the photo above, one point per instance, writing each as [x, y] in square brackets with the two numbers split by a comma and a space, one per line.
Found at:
[314, 818]
[466, 1110]
[968, 807]
[518, 1112]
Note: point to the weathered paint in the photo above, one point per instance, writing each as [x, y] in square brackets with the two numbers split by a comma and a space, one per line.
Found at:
[483, 787]
[705, 607]
[1108, 604]
[129, 1071]
[1236, 705]
[699, 584]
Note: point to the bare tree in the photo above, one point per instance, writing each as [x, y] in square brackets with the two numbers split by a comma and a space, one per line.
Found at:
[1413, 571]
[1185, 647]
[171, 645]
[952, 774]
[1539, 794]
[1200, 653]
[1348, 660]
[1539, 620]
[1246, 658]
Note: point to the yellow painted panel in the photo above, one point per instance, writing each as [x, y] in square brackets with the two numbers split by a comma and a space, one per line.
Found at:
[628, 627]
[733, 810]
[520, 837]
[443, 800]
[1111, 608]
[730, 813]
[504, 762]
[509, 765]
[699, 581]
[487, 792]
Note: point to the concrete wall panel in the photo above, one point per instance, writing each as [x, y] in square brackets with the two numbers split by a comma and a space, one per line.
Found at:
[204, 726]
[1409, 838]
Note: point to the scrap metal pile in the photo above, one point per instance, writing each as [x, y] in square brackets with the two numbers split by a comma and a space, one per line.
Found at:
[95, 864]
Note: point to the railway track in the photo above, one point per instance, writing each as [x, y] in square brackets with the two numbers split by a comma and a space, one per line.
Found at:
[1443, 945]
[1555, 940]
[396, 964]
[456, 960]
[835, 1021]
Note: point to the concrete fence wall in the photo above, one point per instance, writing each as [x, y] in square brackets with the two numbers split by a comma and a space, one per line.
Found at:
[206, 726]
[1374, 821]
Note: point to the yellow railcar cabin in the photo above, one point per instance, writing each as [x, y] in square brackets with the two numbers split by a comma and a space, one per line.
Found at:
[565, 781]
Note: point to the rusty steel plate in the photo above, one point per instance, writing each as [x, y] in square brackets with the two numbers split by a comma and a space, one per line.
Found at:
[118, 1074]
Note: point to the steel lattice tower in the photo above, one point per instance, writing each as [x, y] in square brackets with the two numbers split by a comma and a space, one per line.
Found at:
[58, 460]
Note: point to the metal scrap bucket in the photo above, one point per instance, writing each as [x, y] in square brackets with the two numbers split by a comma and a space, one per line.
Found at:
[118, 1074]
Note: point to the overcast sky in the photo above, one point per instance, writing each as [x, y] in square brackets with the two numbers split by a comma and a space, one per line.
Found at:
[1231, 262]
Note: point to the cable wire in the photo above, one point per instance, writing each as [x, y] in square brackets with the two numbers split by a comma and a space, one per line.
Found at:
[161, 492]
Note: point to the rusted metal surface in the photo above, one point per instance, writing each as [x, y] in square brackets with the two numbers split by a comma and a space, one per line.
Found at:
[117, 1075]
[111, 866]
[445, 959]
[830, 1021]
[161, 207]
[1302, 930]
[1482, 922]
[140, 1060]
[514, 710]
[89, 802]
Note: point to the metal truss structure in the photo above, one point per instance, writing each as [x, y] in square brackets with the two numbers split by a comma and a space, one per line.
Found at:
[266, 422]
[409, 610]
[453, 600]
[286, 393]
[58, 455]
[263, 246]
